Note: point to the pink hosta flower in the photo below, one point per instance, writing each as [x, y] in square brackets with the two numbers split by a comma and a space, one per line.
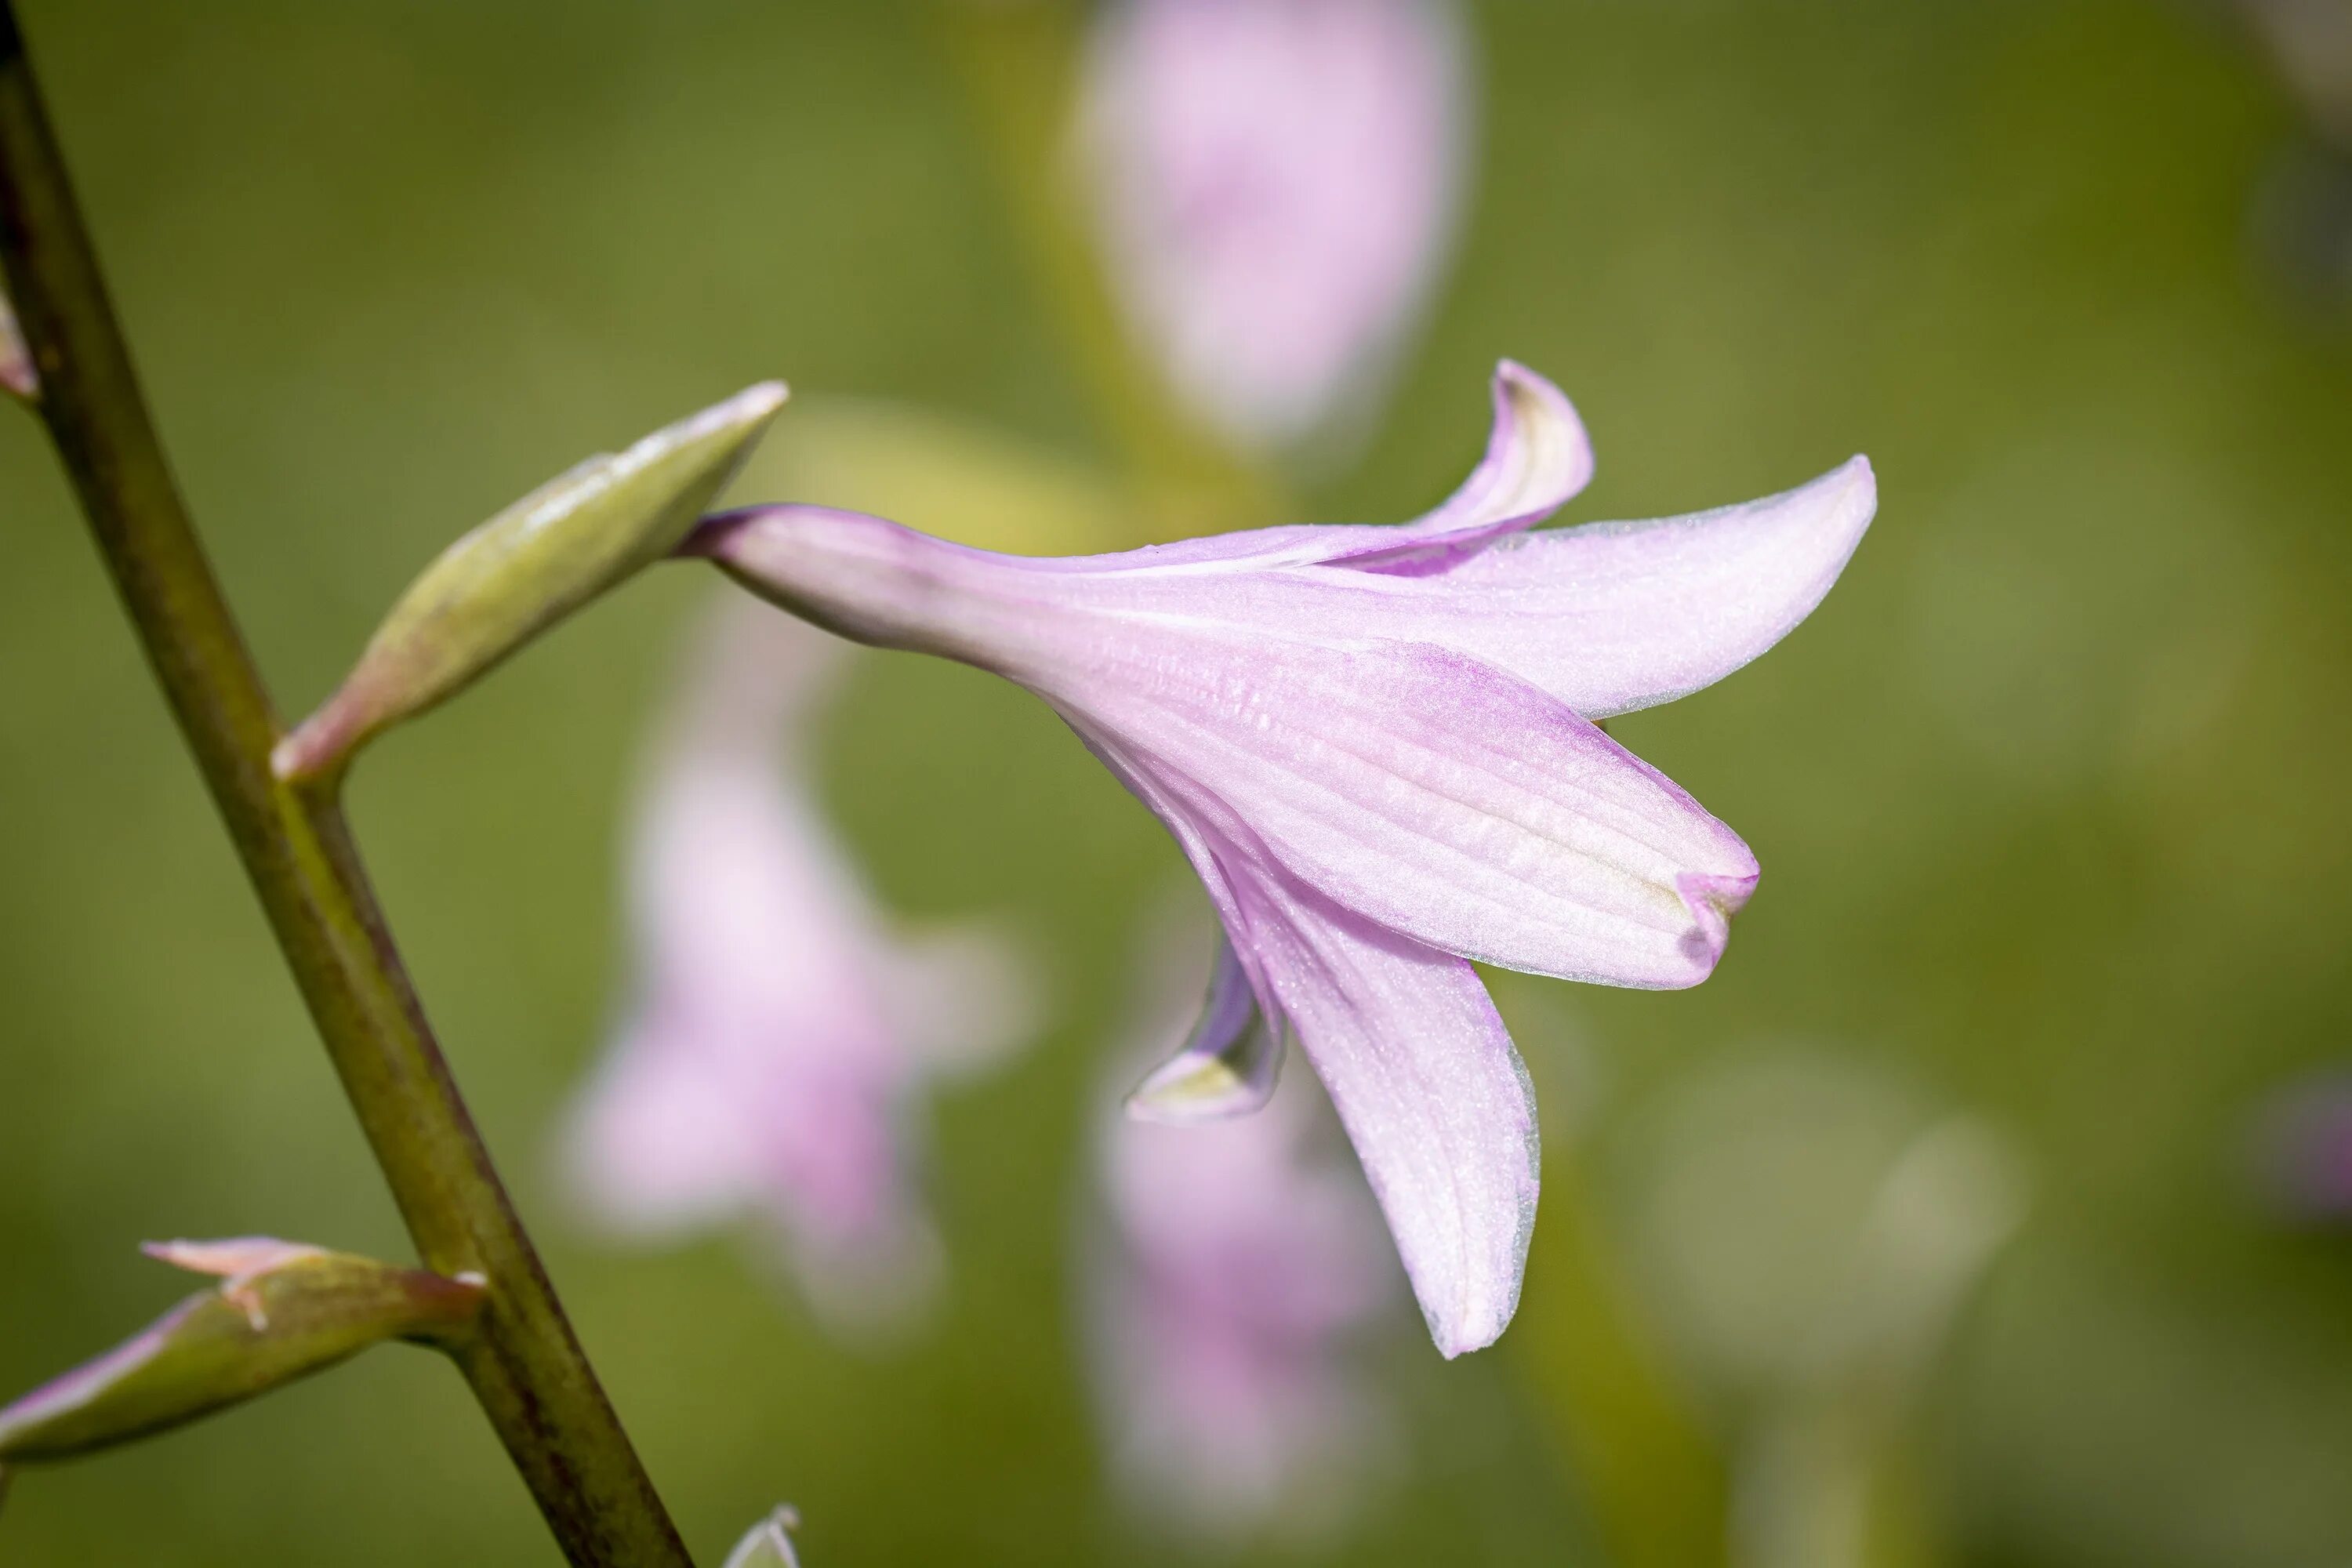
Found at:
[781, 1028]
[1375, 744]
[1238, 1267]
[1277, 182]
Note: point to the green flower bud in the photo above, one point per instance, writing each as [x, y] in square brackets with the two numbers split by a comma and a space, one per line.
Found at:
[280, 1313]
[526, 569]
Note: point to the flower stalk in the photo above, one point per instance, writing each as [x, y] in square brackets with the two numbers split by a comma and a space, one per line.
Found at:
[525, 1365]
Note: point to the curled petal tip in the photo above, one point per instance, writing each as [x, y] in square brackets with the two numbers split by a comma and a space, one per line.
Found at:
[1191, 1090]
[1712, 901]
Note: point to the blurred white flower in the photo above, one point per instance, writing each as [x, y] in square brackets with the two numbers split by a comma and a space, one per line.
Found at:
[781, 1028]
[1812, 1231]
[1278, 183]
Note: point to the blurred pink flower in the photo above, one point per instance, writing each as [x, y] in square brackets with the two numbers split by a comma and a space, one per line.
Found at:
[1277, 183]
[2303, 1149]
[1375, 745]
[1241, 1261]
[781, 1029]
[17, 372]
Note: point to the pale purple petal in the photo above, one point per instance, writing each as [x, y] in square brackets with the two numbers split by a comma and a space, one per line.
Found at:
[1613, 616]
[1276, 181]
[1436, 795]
[1433, 1097]
[1227, 1064]
[1608, 617]
[1240, 1263]
[781, 1029]
[1537, 461]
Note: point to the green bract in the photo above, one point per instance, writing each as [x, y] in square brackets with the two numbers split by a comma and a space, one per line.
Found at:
[280, 1313]
[527, 568]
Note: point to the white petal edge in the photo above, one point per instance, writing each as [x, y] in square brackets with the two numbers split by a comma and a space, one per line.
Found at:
[1615, 617]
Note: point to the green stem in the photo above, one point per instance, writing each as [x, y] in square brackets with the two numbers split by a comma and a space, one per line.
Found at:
[1653, 1480]
[525, 1365]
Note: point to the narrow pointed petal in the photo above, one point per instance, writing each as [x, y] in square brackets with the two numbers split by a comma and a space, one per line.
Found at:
[770, 1544]
[1433, 1095]
[1226, 1067]
[231, 1258]
[1607, 618]
[1436, 795]
[1614, 616]
[1537, 459]
[1413, 1055]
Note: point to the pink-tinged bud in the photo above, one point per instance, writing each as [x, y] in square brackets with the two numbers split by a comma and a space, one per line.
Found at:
[281, 1311]
[1278, 183]
[781, 1030]
[1243, 1262]
[770, 1544]
[17, 372]
[518, 575]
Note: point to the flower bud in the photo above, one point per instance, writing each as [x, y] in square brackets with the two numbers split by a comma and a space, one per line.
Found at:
[770, 1545]
[526, 569]
[281, 1311]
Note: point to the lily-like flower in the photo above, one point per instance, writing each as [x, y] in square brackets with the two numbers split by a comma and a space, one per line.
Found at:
[1239, 1262]
[1277, 183]
[1376, 746]
[781, 1029]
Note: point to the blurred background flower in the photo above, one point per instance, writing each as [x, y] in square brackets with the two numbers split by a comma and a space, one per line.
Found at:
[780, 1028]
[1277, 184]
[1235, 1272]
[2303, 1149]
[1810, 1229]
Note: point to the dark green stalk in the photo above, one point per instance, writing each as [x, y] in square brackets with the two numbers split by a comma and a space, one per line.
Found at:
[524, 1364]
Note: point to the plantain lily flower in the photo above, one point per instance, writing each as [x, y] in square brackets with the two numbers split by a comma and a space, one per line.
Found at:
[1276, 184]
[1377, 747]
[772, 1059]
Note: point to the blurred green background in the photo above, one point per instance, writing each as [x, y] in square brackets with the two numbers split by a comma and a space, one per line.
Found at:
[2050, 793]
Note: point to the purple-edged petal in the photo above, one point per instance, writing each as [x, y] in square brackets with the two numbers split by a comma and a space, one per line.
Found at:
[1607, 618]
[1436, 795]
[1228, 1063]
[1433, 1095]
[1613, 616]
[1537, 459]
[1413, 1055]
